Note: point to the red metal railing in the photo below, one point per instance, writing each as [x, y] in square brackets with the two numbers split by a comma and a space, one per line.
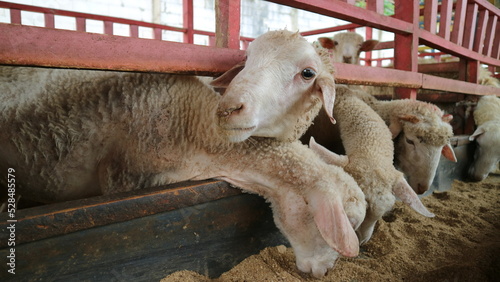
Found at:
[23, 45]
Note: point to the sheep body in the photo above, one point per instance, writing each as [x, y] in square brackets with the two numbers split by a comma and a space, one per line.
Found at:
[487, 137]
[370, 152]
[85, 133]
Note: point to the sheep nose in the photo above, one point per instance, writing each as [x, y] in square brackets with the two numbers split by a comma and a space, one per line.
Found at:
[347, 59]
[230, 110]
[421, 189]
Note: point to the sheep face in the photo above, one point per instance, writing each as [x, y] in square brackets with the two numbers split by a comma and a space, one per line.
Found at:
[276, 92]
[487, 153]
[347, 46]
[420, 141]
[417, 160]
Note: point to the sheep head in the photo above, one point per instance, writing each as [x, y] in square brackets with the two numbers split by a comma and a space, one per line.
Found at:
[347, 46]
[276, 92]
[420, 141]
[487, 152]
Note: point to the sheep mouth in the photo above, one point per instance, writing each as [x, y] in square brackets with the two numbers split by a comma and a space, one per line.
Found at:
[241, 128]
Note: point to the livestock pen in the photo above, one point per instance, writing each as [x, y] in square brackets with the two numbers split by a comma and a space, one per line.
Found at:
[208, 226]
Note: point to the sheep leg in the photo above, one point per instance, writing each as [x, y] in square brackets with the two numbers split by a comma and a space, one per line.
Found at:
[328, 156]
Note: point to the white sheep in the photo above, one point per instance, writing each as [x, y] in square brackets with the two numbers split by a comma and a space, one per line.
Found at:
[346, 46]
[72, 133]
[487, 137]
[426, 139]
[370, 153]
[421, 133]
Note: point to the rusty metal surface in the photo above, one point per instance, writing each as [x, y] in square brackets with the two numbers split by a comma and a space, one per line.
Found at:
[23, 45]
[56, 219]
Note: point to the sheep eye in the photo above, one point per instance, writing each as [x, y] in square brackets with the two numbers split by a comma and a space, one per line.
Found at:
[308, 73]
[409, 141]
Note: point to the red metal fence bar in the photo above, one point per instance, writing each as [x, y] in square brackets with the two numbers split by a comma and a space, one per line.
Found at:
[191, 60]
[15, 11]
[227, 24]
[36, 46]
[445, 20]
[341, 10]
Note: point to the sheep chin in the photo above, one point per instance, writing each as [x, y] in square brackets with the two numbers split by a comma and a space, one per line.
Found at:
[238, 134]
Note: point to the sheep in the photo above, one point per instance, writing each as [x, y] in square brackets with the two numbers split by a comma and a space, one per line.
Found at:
[370, 152]
[71, 134]
[346, 46]
[418, 158]
[421, 133]
[487, 137]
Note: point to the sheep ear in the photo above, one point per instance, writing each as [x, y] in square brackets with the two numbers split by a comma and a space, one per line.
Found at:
[406, 194]
[448, 153]
[333, 224]
[409, 118]
[226, 78]
[326, 155]
[395, 127]
[327, 43]
[447, 118]
[368, 45]
[480, 130]
[326, 90]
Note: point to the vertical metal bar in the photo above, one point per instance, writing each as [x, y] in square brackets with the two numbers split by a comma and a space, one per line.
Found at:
[470, 25]
[375, 5]
[81, 24]
[108, 27]
[188, 22]
[490, 35]
[157, 33]
[495, 52]
[49, 20]
[406, 46]
[430, 15]
[472, 71]
[227, 25]
[15, 16]
[368, 55]
[482, 21]
[352, 2]
[134, 31]
[445, 19]
[457, 34]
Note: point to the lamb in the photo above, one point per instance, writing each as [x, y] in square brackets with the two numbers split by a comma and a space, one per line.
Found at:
[346, 46]
[73, 133]
[487, 137]
[419, 146]
[421, 133]
[369, 149]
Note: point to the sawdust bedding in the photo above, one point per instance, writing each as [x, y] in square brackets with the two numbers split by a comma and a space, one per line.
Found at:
[462, 243]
